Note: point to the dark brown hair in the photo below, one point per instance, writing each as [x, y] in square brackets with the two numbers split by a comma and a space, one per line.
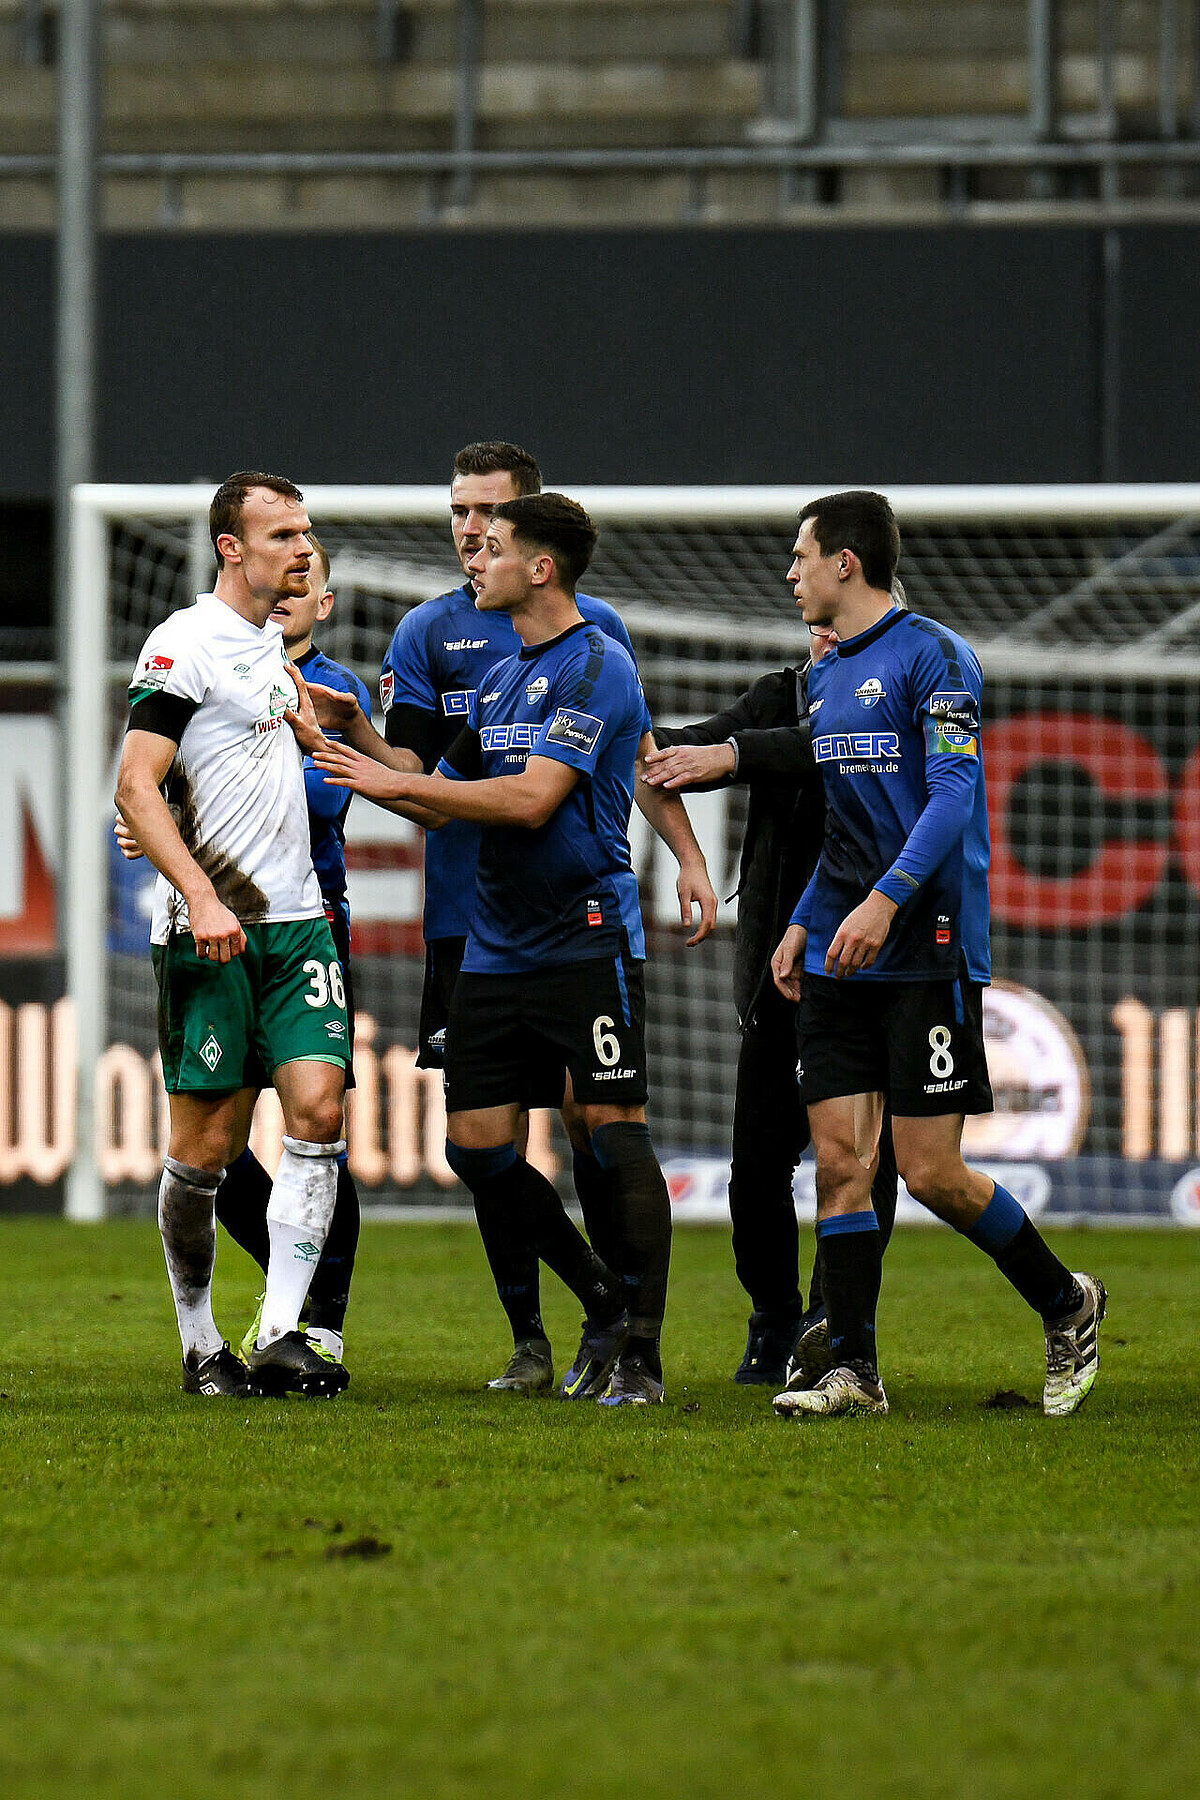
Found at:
[863, 522]
[493, 457]
[554, 523]
[225, 512]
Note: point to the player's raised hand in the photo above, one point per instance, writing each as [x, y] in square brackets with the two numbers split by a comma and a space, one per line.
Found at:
[688, 765]
[695, 889]
[127, 844]
[335, 710]
[860, 936]
[787, 964]
[303, 717]
[219, 937]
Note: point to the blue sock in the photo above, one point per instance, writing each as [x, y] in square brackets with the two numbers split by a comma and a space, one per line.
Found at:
[999, 1222]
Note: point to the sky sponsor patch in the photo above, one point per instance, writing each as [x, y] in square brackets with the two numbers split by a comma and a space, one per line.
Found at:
[575, 730]
[954, 708]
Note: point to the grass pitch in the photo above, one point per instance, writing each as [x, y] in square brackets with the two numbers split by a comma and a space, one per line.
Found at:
[421, 1589]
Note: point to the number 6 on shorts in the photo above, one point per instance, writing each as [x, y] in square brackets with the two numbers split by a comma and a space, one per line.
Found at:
[608, 1050]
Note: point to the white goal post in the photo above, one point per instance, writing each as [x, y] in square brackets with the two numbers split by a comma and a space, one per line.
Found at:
[1084, 604]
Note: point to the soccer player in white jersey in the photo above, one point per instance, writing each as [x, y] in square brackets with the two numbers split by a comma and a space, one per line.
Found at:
[249, 981]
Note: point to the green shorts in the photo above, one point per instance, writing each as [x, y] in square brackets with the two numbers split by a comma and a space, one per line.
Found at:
[230, 1025]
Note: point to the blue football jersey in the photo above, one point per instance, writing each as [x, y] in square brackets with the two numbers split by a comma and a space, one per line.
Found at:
[439, 653]
[566, 891]
[896, 735]
[328, 805]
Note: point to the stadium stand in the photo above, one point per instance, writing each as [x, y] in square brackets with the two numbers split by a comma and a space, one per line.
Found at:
[859, 81]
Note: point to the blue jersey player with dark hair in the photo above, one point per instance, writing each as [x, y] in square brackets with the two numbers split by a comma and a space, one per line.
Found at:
[888, 953]
[432, 671]
[552, 973]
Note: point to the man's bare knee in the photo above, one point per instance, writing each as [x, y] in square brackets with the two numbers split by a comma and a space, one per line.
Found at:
[202, 1131]
[317, 1121]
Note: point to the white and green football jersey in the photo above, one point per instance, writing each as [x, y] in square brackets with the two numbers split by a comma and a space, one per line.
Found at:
[219, 686]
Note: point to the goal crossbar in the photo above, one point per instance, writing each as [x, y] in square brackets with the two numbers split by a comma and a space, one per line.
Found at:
[737, 646]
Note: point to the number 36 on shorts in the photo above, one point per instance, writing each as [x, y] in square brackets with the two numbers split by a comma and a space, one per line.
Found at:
[325, 983]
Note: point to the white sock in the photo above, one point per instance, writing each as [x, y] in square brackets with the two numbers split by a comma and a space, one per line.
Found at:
[298, 1216]
[187, 1222]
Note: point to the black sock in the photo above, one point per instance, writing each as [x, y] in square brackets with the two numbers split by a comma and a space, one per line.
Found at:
[523, 1204]
[1022, 1255]
[601, 1207]
[851, 1267]
[329, 1291]
[883, 1204]
[645, 1217]
[514, 1265]
[242, 1207]
[1041, 1279]
[816, 1285]
[883, 1188]
[566, 1251]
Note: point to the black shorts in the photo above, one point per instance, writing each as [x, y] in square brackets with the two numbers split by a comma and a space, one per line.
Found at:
[918, 1042]
[510, 1036]
[443, 960]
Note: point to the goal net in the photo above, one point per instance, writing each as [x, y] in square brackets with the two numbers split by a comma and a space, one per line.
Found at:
[1084, 605]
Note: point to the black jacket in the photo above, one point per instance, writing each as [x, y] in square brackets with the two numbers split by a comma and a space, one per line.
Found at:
[785, 821]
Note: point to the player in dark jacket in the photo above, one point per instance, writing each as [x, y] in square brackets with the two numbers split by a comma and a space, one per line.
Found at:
[763, 740]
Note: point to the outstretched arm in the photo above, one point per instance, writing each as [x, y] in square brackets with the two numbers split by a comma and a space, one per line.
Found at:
[667, 815]
[324, 709]
[687, 766]
[527, 799]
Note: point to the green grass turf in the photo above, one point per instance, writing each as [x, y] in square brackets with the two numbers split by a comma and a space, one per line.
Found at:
[698, 1601]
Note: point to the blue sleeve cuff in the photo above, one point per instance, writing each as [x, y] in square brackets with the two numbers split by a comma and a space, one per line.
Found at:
[804, 906]
[898, 885]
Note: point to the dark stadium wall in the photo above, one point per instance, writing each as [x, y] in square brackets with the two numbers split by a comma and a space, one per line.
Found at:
[702, 355]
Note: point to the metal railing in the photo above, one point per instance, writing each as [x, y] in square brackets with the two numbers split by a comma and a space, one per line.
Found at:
[449, 175]
[802, 134]
[802, 43]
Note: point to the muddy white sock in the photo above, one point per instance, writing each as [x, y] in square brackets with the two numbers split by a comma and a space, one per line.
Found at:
[187, 1222]
[298, 1216]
